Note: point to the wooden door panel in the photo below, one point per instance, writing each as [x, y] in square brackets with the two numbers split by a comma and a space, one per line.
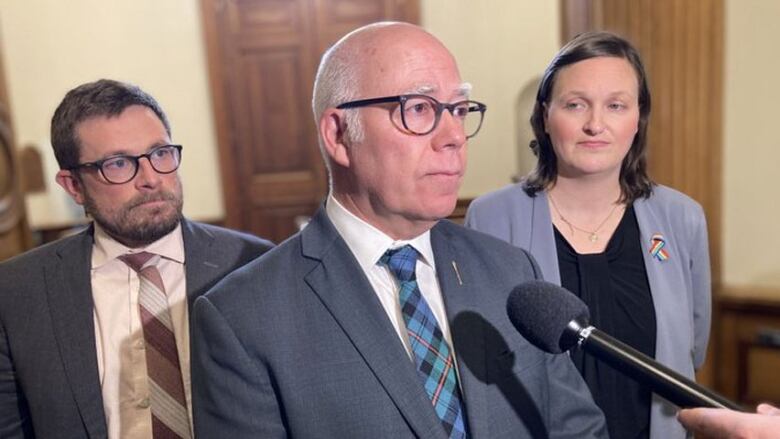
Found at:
[273, 138]
[284, 188]
[276, 140]
[270, 16]
[335, 18]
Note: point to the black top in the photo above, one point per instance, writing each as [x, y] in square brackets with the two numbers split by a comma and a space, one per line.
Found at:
[614, 286]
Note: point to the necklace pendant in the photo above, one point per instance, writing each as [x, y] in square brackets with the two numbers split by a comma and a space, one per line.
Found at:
[593, 237]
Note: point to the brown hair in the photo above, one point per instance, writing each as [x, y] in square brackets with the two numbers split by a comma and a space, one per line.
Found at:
[104, 97]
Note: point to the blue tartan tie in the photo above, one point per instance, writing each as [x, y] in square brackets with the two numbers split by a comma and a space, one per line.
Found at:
[435, 363]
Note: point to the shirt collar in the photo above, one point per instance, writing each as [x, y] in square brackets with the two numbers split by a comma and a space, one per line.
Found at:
[106, 248]
[368, 243]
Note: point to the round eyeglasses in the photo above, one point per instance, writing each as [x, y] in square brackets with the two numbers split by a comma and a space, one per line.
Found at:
[120, 169]
[420, 114]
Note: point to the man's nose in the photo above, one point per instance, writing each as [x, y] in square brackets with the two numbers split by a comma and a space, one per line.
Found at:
[450, 132]
[147, 176]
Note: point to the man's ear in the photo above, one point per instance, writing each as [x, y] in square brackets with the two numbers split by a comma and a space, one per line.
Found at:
[332, 135]
[72, 185]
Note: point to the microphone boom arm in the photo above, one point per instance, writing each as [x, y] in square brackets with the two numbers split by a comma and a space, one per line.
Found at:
[662, 380]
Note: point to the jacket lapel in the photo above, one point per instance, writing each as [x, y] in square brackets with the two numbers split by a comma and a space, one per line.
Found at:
[459, 290]
[542, 241]
[658, 276]
[347, 294]
[201, 264]
[71, 306]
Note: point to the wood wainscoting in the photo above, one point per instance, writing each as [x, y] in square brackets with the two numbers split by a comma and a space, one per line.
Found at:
[459, 214]
[747, 348]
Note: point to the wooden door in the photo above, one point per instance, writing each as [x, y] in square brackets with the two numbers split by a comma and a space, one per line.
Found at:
[263, 55]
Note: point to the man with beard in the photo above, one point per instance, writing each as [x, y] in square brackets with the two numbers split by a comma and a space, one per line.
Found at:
[94, 328]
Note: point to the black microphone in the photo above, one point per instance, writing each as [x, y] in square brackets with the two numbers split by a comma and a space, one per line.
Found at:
[554, 320]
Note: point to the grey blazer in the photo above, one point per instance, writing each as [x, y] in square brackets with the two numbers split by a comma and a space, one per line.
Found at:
[296, 344]
[680, 286]
[49, 385]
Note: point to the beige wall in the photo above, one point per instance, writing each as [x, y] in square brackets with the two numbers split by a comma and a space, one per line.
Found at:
[751, 156]
[49, 46]
[502, 46]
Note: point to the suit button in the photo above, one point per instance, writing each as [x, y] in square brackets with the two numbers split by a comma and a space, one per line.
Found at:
[139, 344]
[144, 403]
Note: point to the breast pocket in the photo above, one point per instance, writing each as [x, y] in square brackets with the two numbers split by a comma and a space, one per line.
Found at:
[518, 362]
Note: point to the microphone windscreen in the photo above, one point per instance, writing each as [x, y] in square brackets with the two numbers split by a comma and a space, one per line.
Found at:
[541, 312]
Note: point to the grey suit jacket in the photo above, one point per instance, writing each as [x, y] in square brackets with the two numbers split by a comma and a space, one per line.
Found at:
[296, 344]
[49, 386]
[680, 286]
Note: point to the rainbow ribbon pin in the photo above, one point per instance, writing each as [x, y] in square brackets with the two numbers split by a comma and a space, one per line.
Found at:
[657, 249]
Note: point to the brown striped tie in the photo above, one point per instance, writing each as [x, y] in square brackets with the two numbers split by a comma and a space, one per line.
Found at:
[170, 418]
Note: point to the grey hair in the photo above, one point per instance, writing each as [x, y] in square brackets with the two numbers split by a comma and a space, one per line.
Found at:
[336, 82]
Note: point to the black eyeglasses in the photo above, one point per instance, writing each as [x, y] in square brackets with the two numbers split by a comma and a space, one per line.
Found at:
[123, 168]
[420, 114]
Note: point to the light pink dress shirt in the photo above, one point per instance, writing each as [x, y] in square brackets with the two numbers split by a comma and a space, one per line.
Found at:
[118, 335]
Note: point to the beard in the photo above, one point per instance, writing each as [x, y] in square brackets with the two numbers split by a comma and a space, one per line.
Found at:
[134, 225]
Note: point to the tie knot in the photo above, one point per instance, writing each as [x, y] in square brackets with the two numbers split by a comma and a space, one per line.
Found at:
[401, 262]
[136, 260]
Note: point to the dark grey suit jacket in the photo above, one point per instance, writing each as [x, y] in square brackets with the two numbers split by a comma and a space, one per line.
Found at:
[296, 344]
[49, 385]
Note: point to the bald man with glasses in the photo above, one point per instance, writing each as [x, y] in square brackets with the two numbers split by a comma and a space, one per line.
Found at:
[380, 319]
[94, 328]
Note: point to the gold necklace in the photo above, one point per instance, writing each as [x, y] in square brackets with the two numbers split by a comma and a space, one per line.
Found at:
[593, 236]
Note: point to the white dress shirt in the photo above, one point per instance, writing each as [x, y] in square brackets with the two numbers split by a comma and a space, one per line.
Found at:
[118, 335]
[368, 244]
